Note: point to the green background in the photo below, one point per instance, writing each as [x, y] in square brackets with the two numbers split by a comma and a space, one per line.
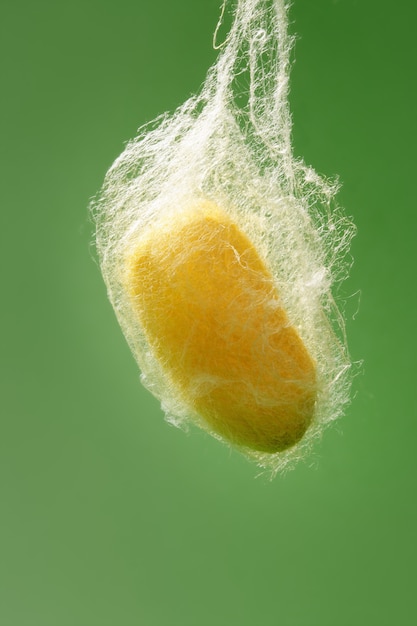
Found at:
[109, 516]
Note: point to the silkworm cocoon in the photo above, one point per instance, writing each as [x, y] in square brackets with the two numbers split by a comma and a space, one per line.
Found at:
[216, 325]
[219, 250]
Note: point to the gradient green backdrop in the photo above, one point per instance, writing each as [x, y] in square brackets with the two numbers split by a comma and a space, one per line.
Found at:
[109, 516]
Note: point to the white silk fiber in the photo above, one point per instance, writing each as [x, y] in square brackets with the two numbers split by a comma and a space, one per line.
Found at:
[231, 145]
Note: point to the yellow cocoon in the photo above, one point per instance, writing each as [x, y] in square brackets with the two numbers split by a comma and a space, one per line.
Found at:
[220, 250]
[212, 316]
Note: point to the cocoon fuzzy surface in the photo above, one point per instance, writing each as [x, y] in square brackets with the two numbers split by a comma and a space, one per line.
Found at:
[219, 250]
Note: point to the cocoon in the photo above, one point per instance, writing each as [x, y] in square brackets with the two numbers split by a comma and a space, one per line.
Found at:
[220, 249]
[217, 328]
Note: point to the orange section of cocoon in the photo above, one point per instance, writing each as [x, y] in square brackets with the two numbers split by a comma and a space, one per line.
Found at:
[211, 313]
